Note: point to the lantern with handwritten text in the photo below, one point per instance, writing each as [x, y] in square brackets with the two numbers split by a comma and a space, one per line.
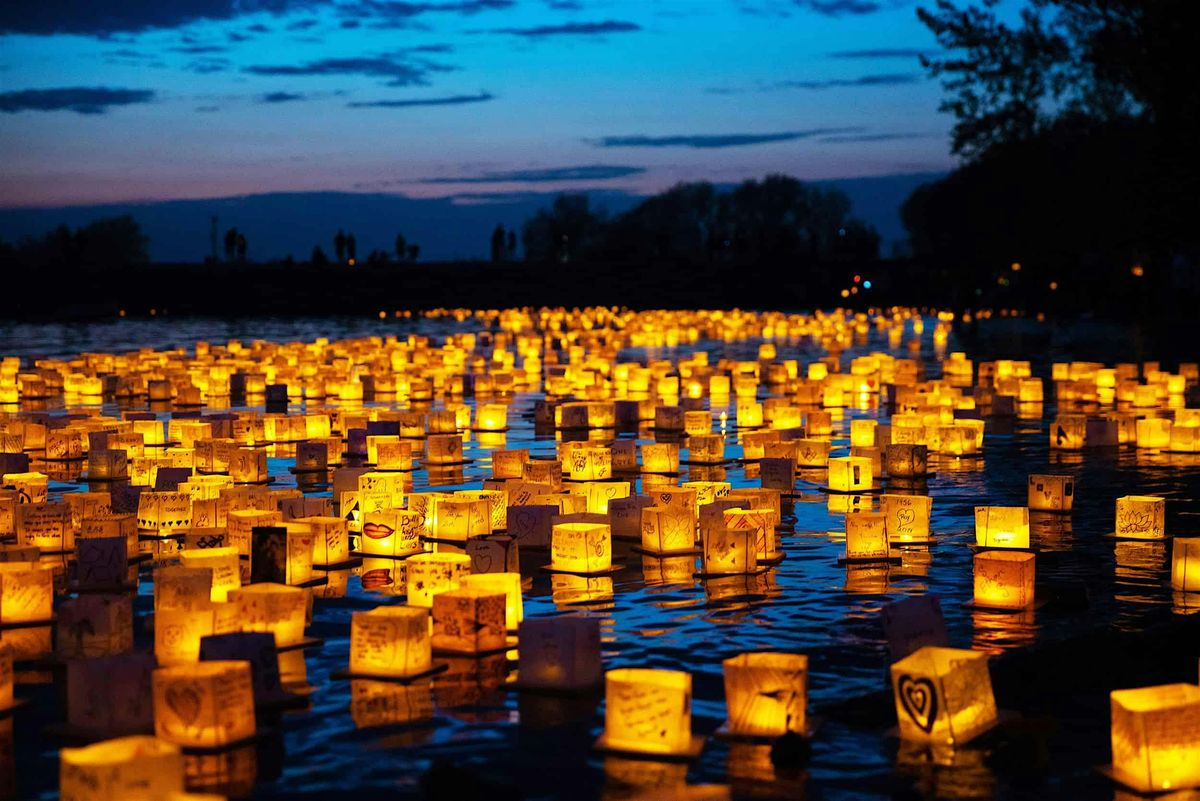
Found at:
[906, 517]
[1051, 493]
[205, 705]
[1002, 526]
[137, 768]
[390, 641]
[667, 529]
[26, 592]
[276, 608]
[1141, 517]
[560, 653]
[648, 711]
[432, 573]
[469, 620]
[866, 536]
[392, 532]
[1004, 579]
[581, 547]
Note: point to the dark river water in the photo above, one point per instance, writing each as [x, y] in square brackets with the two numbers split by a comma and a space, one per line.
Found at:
[495, 740]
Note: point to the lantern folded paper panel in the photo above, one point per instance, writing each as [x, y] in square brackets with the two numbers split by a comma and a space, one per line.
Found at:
[205, 705]
[866, 536]
[850, 474]
[667, 529]
[134, 768]
[1185, 564]
[26, 592]
[581, 547]
[560, 653]
[766, 694]
[392, 532]
[391, 641]
[1002, 526]
[729, 551]
[943, 696]
[648, 711]
[509, 584]
[1051, 493]
[1141, 517]
[431, 573]
[469, 620]
[277, 608]
[906, 517]
[1156, 737]
[1004, 580]
[224, 563]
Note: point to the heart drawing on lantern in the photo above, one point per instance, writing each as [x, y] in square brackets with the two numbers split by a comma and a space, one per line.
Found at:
[905, 517]
[184, 701]
[919, 700]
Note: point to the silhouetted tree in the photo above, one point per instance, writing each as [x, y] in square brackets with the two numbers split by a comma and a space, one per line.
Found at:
[107, 242]
[377, 258]
[498, 244]
[318, 256]
[339, 246]
[351, 247]
[231, 239]
[511, 246]
[567, 231]
[401, 247]
[241, 246]
[414, 253]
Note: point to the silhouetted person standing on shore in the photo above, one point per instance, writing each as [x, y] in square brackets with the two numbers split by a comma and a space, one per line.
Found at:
[351, 248]
[339, 245]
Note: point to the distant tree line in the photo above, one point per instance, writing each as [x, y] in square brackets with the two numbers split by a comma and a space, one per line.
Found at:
[1078, 130]
[778, 221]
[109, 242]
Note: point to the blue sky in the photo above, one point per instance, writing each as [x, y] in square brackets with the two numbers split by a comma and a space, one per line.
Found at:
[152, 99]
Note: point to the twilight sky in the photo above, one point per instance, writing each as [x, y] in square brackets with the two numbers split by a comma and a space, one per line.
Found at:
[126, 100]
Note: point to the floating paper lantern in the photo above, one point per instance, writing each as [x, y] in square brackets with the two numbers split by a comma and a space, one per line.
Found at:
[107, 464]
[1141, 517]
[392, 532]
[135, 768]
[766, 693]
[276, 608]
[469, 620]
[1002, 526]
[1155, 742]
[46, 525]
[30, 487]
[494, 554]
[697, 423]
[560, 654]
[509, 464]
[707, 449]
[1153, 433]
[811, 452]
[165, 512]
[281, 554]
[491, 417]
[391, 641]
[729, 551]
[458, 518]
[761, 521]
[508, 584]
[432, 573]
[667, 529]
[590, 464]
[1051, 493]
[906, 517]
[26, 592]
[1185, 564]
[178, 631]
[224, 563]
[943, 696]
[662, 457]
[648, 711]
[850, 474]
[443, 449]
[331, 541]
[313, 457]
[205, 705]
[906, 460]
[749, 413]
[1068, 432]
[862, 433]
[581, 547]
[866, 536]
[1004, 580]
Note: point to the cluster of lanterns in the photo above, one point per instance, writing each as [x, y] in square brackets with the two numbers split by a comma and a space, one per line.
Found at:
[239, 562]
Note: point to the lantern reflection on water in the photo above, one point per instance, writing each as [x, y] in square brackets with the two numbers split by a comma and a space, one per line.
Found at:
[134, 768]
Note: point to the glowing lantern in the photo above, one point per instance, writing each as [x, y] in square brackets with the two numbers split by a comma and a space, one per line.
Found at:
[458, 518]
[708, 449]
[560, 653]
[943, 696]
[93, 625]
[850, 474]
[1068, 432]
[590, 464]
[662, 457]
[433, 573]
[1153, 432]
[581, 547]
[862, 433]
[509, 584]
[667, 530]
[491, 417]
[281, 554]
[392, 532]
[1051, 493]
[648, 711]
[390, 641]
[1141, 517]
[135, 768]
[26, 592]
[811, 452]
[46, 525]
[906, 517]
[381, 490]
[1004, 580]
[469, 620]
[1155, 743]
[494, 554]
[241, 525]
[443, 449]
[205, 705]
[866, 536]
[30, 487]
[1185, 439]
[1185, 564]
[766, 693]
[708, 491]
[331, 542]
[249, 466]
[1002, 526]
[224, 563]
[728, 551]
[107, 464]
[509, 464]
[164, 512]
[906, 460]
[749, 413]
[276, 608]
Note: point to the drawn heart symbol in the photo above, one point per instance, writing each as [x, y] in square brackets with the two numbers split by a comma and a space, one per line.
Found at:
[906, 516]
[483, 562]
[919, 700]
[184, 701]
